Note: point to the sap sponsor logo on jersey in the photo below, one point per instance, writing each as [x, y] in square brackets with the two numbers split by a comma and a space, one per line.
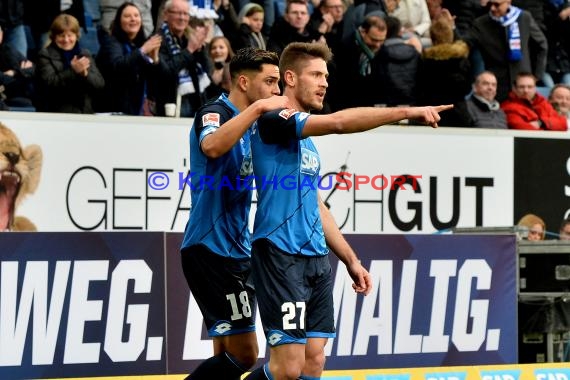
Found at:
[501, 375]
[310, 163]
[211, 120]
[42, 296]
[552, 374]
[287, 113]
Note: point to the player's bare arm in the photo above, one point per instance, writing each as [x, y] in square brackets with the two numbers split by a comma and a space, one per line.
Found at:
[360, 119]
[340, 247]
[220, 142]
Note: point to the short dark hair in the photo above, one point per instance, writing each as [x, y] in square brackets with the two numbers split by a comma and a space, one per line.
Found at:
[524, 74]
[289, 2]
[296, 54]
[251, 59]
[393, 27]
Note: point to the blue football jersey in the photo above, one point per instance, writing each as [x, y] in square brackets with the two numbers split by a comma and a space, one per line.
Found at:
[220, 193]
[286, 167]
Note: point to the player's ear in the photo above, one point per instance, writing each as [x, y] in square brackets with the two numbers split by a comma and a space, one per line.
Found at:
[242, 82]
[289, 78]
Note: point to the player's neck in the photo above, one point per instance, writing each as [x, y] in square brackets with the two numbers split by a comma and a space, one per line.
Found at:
[239, 100]
[293, 100]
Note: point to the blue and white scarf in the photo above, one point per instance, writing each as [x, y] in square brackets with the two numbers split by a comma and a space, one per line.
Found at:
[510, 20]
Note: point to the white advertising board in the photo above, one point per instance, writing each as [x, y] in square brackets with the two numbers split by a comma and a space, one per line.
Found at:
[96, 169]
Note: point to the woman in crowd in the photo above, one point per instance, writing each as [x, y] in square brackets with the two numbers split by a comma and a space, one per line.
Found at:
[126, 59]
[249, 33]
[534, 225]
[220, 53]
[67, 77]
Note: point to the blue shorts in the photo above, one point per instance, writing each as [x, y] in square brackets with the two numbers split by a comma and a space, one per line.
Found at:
[223, 290]
[294, 294]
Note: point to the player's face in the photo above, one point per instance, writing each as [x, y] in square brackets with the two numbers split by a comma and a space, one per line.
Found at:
[312, 84]
[263, 84]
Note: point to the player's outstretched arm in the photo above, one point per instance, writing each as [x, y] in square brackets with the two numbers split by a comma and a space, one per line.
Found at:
[341, 248]
[361, 119]
[228, 134]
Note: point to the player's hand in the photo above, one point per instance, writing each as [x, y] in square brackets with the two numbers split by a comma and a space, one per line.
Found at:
[430, 114]
[275, 102]
[361, 277]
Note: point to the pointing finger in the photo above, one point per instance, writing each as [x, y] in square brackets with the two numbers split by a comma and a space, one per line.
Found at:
[443, 107]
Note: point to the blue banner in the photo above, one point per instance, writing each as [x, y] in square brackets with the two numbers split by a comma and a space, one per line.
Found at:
[81, 304]
[113, 304]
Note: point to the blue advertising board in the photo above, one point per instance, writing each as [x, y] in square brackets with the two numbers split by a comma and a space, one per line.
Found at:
[113, 304]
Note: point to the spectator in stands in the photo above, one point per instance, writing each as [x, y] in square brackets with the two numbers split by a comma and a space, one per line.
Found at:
[558, 37]
[504, 36]
[183, 75]
[445, 66]
[560, 99]
[328, 20]
[126, 60]
[484, 110]
[464, 13]
[398, 61]
[220, 53]
[249, 32]
[356, 13]
[359, 82]
[292, 27]
[533, 226]
[414, 17]
[39, 16]
[527, 109]
[227, 20]
[16, 73]
[12, 22]
[67, 77]
[564, 233]
[109, 9]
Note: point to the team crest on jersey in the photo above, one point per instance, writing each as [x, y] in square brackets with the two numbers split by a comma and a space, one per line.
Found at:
[287, 113]
[310, 163]
[211, 120]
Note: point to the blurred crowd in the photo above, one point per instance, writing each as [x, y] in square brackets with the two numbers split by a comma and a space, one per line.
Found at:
[498, 61]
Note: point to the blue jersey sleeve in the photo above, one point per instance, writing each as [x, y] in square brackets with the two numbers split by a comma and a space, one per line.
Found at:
[281, 126]
[209, 118]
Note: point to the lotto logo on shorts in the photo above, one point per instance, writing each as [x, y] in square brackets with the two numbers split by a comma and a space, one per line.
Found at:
[274, 339]
[287, 113]
[211, 120]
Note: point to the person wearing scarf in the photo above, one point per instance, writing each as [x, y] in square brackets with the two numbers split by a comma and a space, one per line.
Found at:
[67, 78]
[354, 79]
[183, 69]
[503, 36]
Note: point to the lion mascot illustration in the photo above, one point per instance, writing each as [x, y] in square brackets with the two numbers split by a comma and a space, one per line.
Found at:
[20, 171]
